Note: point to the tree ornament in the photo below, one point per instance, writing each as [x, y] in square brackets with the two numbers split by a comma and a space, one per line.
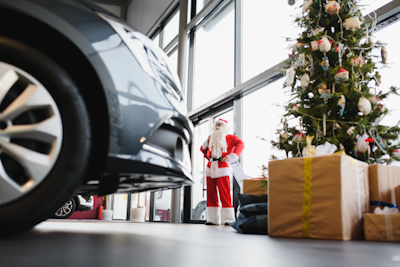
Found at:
[324, 92]
[332, 7]
[307, 6]
[324, 45]
[290, 73]
[292, 57]
[341, 76]
[350, 131]
[342, 104]
[382, 142]
[314, 45]
[362, 145]
[358, 61]
[336, 126]
[309, 149]
[374, 99]
[296, 47]
[284, 137]
[364, 105]
[340, 52]
[352, 23]
[305, 81]
[317, 30]
[291, 2]
[396, 153]
[295, 107]
[325, 64]
[298, 137]
[384, 54]
[341, 147]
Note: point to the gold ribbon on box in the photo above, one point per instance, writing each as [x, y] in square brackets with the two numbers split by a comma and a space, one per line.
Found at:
[306, 216]
[305, 225]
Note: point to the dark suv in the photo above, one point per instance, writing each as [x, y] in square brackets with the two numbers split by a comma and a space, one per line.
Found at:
[88, 106]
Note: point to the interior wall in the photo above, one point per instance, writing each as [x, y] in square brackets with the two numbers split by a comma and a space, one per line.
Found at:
[112, 8]
[142, 14]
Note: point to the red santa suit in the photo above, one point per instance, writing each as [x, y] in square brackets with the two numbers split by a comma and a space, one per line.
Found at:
[218, 175]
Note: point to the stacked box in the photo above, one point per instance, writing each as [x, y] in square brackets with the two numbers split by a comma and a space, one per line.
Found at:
[382, 182]
[397, 194]
[379, 227]
[319, 197]
[251, 186]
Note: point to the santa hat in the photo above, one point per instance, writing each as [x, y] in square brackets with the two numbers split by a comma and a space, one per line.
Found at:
[221, 121]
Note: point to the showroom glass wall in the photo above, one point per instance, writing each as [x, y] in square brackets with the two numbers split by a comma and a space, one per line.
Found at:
[235, 52]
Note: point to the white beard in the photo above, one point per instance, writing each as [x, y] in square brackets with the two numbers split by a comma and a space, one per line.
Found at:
[218, 143]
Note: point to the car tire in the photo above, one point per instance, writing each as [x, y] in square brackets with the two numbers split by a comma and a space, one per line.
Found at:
[31, 191]
[66, 210]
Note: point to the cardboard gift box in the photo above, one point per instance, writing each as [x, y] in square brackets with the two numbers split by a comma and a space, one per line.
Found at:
[251, 186]
[383, 180]
[397, 194]
[319, 197]
[380, 227]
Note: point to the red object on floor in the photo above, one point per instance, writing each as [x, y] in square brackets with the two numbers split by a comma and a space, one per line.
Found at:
[90, 214]
[100, 212]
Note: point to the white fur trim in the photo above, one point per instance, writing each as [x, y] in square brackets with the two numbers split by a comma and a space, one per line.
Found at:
[215, 172]
[232, 157]
[227, 215]
[205, 145]
[214, 215]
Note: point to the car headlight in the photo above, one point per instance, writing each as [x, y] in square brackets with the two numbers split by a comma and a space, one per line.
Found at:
[150, 57]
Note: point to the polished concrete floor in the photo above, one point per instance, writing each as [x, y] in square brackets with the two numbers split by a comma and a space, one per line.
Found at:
[59, 243]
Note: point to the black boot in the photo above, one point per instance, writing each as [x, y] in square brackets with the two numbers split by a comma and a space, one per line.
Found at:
[210, 223]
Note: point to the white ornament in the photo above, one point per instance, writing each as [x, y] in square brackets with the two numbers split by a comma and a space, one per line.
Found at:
[324, 45]
[361, 144]
[364, 105]
[307, 6]
[350, 130]
[305, 81]
[290, 73]
[352, 23]
[396, 153]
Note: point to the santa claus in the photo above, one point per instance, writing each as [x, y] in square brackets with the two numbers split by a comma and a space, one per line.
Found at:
[219, 149]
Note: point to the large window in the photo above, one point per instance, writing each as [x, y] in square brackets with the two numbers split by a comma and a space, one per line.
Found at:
[266, 24]
[367, 6]
[214, 57]
[171, 30]
[389, 73]
[262, 115]
[199, 200]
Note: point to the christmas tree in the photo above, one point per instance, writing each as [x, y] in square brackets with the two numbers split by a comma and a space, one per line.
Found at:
[332, 74]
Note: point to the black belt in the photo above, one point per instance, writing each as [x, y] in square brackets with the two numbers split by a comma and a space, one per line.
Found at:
[215, 159]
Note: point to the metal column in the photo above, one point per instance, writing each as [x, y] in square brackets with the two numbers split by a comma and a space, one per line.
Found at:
[183, 7]
[238, 100]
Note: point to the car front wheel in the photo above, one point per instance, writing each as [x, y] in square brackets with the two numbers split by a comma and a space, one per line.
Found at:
[44, 136]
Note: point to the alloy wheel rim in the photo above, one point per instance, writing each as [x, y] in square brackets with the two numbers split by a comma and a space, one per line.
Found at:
[65, 209]
[30, 133]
